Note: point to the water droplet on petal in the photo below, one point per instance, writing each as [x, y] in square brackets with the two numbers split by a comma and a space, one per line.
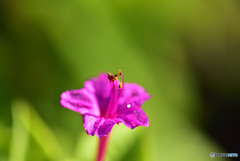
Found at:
[128, 106]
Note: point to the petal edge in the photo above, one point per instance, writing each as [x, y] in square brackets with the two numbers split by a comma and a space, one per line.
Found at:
[134, 117]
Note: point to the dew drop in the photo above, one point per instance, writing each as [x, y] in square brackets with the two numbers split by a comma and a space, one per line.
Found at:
[128, 106]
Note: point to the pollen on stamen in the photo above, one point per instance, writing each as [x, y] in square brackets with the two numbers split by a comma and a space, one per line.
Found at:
[114, 77]
[119, 73]
[111, 77]
[120, 85]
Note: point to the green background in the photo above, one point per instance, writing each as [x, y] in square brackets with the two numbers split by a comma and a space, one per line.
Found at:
[184, 53]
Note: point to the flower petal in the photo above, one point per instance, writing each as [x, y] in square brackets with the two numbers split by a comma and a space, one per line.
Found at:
[97, 125]
[133, 95]
[91, 123]
[101, 88]
[99, 85]
[105, 127]
[81, 101]
[132, 117]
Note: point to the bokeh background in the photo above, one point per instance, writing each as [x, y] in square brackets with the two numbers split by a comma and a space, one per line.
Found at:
[186, 54]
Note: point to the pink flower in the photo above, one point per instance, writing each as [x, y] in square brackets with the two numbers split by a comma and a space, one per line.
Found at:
[105, 101]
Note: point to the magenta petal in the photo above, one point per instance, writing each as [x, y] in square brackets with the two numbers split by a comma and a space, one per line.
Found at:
[91, 123]
[89, 85]
[101, 88]
[81, 101]
[97, 125]
[133, 95]
[133, 117]
[105, 128]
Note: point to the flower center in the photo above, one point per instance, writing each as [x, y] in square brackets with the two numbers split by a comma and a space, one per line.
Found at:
[117, 87]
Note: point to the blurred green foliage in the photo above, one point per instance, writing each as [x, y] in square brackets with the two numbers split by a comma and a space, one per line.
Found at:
[47, 47]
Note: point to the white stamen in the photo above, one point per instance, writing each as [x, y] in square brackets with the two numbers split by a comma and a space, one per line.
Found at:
[128, 106]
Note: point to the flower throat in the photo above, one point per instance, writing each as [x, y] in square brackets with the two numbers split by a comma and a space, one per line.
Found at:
[117, 88]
